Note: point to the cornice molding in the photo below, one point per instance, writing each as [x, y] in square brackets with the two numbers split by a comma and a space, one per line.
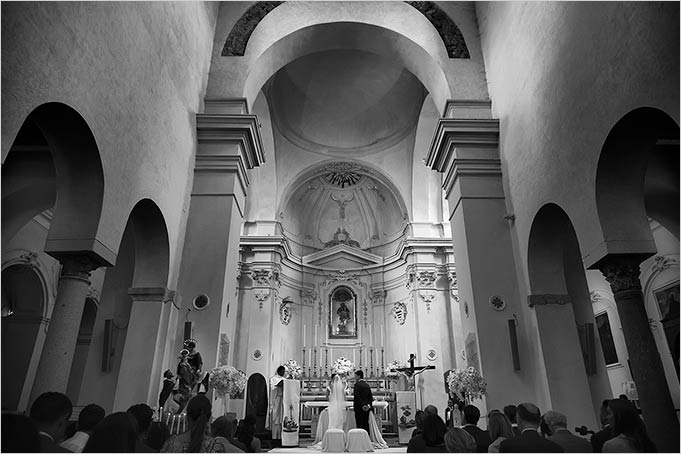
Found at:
[243, 130]
[547, 299]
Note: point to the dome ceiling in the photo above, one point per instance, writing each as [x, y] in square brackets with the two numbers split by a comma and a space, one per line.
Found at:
[344, 102]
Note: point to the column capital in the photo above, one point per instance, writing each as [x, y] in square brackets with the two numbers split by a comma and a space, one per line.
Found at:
[464, 147]
[546, 299]
[622, 271]
[78, 265]
[239, 129]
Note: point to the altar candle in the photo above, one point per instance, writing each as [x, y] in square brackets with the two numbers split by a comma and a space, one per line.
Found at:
[371, 339]
[381, 335]
[303, 335]
[354, 360]
[315, 335]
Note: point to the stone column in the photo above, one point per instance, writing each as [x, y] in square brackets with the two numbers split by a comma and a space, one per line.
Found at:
[622, 273]
[228, 145]
[144, 348]
[465, 148]
[60, 343]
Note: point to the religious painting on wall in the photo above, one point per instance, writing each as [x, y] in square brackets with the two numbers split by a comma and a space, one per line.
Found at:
[472, 352]
[607, 341]
[667, 299]
[342, 313]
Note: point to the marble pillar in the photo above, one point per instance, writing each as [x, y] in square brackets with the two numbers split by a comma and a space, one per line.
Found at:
[465, 148]
[144, 348]
[60, 343]
[622, 273]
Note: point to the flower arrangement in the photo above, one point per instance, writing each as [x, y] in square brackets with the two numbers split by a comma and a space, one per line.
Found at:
[293, 370]
[227, 381]
[468, 384]
[391, 369]
[342, 366]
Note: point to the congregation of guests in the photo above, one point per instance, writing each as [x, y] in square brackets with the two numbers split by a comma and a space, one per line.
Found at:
[523, 428]
[47, 429]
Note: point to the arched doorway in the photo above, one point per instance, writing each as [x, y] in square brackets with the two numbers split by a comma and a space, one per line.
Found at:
[23, 302]
[637, 180]
[575, 369]
[256, 400]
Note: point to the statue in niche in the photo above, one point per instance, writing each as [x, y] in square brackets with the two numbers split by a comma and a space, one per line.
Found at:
[342, 313]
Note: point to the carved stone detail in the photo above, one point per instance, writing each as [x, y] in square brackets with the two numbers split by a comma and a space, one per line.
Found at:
[285, 311]
[30, 259]
[662, 263]
[365, 312]
[77, 266]
[377, 297]
[224, 350]
[427, 296]
[263, 277]
[93, 293]
[426, 278]
[622, 273]
[545, 299]
[399, 312]
[308, 296]
[261, 295]
[341, 276]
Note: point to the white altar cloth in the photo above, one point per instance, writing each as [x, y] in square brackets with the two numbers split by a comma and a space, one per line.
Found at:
[348, 403]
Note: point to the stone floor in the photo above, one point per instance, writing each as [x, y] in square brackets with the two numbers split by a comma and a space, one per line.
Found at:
[306, 443]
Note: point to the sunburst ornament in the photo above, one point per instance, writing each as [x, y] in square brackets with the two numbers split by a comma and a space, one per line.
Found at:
[342, 174]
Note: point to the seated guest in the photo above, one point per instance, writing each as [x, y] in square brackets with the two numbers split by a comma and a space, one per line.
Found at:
[418, 418]
[89, 417]
[529, 440]
[557, 424]
[510, 411]
[605, 433]
[199, 412]
[157, 435]
[223, 427]
[471, 416]
[246, 434]
[116, 433]
[629, 432]
[19, 434]
[459, 440]
[143, 415]
[433, 437]
[50, 413]
[499, 428]
[430, 410]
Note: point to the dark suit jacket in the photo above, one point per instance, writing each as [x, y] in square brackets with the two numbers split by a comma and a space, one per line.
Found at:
[48, 445]
[570, 442]
[482, 440]
[529, 441]
[362, 395]
[599, 438]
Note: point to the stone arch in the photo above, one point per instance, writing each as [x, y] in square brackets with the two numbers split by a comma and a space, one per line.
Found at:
[55, 161]
[23, 303]
[452, 38]
[152, 246]
[256, 400]
[573, 359]
[637, 178]
[348, 35]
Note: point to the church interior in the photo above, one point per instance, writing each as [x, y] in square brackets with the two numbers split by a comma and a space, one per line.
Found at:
[485, 185]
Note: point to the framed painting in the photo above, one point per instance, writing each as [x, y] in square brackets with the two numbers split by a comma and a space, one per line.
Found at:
[667, 299]
[342, 313]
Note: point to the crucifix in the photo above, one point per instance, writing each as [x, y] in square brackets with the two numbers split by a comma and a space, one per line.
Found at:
[413, 370]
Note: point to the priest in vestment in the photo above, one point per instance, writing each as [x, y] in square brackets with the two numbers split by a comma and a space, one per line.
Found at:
[276, 413]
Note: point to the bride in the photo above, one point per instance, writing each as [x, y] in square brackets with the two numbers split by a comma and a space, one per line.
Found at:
[337, 403]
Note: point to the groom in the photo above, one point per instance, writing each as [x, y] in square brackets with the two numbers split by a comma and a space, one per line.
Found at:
[362, 401]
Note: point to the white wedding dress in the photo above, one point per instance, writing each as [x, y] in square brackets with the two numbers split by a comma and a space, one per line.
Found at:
[337, 404]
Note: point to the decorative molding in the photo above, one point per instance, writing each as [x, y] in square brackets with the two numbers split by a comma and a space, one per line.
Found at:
[426, 278]
[427, 296]
[377, 297]
[285, 312]
[662, 263]
[594, 297]
[546, 299]
[30, 259]
[365, 312]
[261, 294]
[399, 312]
[341, 276]
[308, 296]
[453, 280]
[261, 277]
[343, 173]
[93, 293]
[497, 303]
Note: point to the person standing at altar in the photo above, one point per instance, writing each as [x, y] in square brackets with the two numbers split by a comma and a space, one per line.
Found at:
[276, 412]
[362, 401]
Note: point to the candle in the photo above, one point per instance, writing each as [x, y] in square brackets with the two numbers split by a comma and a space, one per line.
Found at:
[370, 337]
[381, 335]
[303, 335]
[354, 360]
[315, 335]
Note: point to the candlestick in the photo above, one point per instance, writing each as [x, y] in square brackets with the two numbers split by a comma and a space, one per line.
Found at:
[382, 360]
[304, 357]
[315, 361]
[371, 338]
[304, 335]
[326, 363]
[354, 360]
[381, 336]
[371, 361]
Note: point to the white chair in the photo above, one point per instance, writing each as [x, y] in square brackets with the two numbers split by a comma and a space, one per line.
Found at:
[334, 441]
[358, 441]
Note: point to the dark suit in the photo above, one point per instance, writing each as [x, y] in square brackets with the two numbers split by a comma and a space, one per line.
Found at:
[529, 441]
[570, 442]
[48, 445]
[362, 397]
[482, 440]
[599, 438]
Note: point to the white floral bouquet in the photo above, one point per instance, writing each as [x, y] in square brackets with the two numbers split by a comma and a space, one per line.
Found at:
[227, 381]
[342, 366]
[293, 370]
[468, 384]
[391, 369]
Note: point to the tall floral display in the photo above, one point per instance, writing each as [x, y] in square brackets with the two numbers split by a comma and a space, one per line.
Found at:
[467, 384]
[343, 366]
[293, 370]
[227, 381]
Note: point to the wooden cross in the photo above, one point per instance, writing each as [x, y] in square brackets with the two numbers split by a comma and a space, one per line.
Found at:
[413, 370]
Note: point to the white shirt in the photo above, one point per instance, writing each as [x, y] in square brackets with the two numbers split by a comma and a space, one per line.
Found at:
[77, 442]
